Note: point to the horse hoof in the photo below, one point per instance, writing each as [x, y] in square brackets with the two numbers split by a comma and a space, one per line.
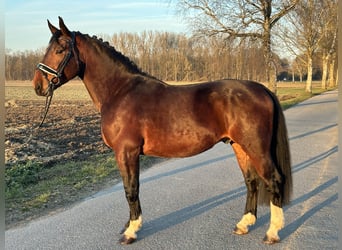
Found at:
[238, 231]
[123, 230]
[125, 240]
[270, 241]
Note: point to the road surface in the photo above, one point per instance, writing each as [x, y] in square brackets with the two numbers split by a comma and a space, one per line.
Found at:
[195, 202]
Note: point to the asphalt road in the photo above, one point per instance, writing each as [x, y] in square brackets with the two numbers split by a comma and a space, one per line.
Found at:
[194, 203]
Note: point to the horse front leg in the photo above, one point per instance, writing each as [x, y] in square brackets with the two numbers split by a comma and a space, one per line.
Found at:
[128, 162]
[250, 214]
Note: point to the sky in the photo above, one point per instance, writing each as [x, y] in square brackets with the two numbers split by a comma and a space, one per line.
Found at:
[26, 26]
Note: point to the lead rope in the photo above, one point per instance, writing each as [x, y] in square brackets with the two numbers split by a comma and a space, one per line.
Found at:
[46, 109]
[47, 106]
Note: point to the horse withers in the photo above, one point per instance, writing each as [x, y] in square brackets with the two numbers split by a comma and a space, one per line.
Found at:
[143, 115]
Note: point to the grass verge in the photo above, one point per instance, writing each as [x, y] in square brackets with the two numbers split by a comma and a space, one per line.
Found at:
[34, 189]
[291, 96]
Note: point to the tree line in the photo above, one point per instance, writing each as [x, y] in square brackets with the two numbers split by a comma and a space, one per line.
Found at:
[20, 65]
[175, 57]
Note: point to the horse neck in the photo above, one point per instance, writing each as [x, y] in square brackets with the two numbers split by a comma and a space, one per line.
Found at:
[103, 76]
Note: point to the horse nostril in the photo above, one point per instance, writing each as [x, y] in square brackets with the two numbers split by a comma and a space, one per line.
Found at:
[38, 87]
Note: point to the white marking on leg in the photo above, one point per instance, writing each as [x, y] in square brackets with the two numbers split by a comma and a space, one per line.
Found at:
[246, 221]
[134, 226]
[277, 223]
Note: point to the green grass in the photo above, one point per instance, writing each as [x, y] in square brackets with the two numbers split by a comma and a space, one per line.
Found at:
[34, 187]
[291, 96]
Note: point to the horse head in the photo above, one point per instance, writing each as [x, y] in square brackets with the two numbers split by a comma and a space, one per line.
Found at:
[60, 62]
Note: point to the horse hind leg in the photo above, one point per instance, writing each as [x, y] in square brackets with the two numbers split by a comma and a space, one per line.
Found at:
[252, 183]
[250, 213]
[277, 220]
[264, 184]
[272, 191]
[277, 223]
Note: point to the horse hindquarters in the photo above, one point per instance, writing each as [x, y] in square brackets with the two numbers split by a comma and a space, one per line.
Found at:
[265, 158]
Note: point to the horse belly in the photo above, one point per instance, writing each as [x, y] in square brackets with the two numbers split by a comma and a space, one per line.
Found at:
[179, 144]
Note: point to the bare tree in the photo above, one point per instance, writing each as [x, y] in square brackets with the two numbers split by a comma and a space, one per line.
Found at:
[328, 59]
[328, 45]
[238, 19]
[299, 67]
[304, 31]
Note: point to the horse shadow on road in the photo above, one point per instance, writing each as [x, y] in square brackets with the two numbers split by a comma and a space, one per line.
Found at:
[186, 213]
[119, 187]
[294, 225]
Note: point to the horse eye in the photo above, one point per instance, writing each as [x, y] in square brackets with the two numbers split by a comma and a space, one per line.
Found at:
[59, 51]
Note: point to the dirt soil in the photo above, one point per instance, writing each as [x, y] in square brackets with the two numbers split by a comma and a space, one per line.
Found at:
[71, 131]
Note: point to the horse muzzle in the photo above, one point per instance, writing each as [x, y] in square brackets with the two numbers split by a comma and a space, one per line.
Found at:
[41, 91]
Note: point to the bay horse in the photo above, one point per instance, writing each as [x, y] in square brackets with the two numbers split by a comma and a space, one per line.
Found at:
[143, 115]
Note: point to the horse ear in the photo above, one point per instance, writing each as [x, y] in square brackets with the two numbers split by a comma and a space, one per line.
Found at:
[52, 28]
[64, 29]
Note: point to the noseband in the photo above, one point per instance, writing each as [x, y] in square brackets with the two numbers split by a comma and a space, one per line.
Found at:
[55, 81]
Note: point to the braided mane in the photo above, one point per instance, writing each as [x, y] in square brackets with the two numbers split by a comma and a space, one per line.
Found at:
[116, 55]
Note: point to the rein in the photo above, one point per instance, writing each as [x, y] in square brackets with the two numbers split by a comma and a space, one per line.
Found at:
[46, 109]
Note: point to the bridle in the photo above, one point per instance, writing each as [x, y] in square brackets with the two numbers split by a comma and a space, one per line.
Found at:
[55, 81]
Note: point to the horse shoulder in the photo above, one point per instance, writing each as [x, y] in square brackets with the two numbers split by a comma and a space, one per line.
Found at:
[119, 125]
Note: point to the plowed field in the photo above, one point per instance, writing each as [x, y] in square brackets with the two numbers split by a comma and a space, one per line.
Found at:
[71, 129]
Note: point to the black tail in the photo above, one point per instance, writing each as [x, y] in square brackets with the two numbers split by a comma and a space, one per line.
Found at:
[280, 150]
